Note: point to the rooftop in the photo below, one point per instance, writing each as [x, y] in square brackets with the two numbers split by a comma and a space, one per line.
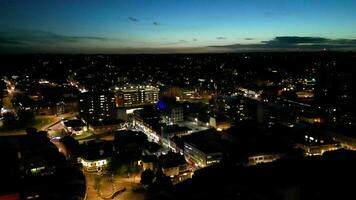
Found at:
[171, 160]
[175, 129]
[207, 141]
[74, 123]
[97, 149]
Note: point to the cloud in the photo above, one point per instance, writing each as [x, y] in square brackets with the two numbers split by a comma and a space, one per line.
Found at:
[294, 43]
[30, 41]
[35, 38]
[221, 38]
[91, 38]
[174, 43]
[296, 40]
[133, 19]
[156, 23]
[161, 50]
[6, 41]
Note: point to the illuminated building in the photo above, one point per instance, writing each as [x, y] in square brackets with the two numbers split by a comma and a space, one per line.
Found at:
[172, 164]
[105, 126]
[305, 94]
[94, 165]
[134, 95]
[189, 94]
[2, 92]
[249, 93]
[219, 123]
[97, 105]
[147, 119]
[316, 145]
[263, 158]
[173, 115]
[310, 117]
[149, 162]
[75, 127]
[171, 112]
[346, 138]
[96, 155]
[203, 148]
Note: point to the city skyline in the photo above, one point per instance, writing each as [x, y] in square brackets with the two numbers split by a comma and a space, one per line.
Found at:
[176, 26]
[177, 99]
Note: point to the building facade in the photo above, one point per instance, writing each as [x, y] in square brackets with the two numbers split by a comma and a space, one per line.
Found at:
[97, 105]
[135, 95]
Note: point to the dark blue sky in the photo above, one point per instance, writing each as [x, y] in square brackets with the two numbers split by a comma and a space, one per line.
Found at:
[160, 26]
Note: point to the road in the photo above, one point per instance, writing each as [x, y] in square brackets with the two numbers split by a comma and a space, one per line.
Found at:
[55, 123]
[44, 124]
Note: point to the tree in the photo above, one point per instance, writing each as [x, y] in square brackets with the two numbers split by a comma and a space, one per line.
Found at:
[21, 100]
[161, 182]
[26, 117]
[72, 145]
[147, 177]
[9, 120]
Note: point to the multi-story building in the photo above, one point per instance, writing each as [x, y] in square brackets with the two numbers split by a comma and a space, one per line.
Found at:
[173, 115]
[135, 95]
[345, 137]
[203, 149]
[96, 155]
[171, 112]
[97, 105]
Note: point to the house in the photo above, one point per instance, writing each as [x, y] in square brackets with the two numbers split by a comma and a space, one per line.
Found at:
[149, 162]
[172, 164]
[96, 155]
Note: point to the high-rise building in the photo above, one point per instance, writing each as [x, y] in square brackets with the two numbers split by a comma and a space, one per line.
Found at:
[97, 105]
[336, 93]
[135, 95]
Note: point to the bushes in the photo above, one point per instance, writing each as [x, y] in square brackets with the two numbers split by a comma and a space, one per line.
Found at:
[25, 118]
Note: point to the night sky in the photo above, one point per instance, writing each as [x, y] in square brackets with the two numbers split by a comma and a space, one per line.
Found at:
[167, 26]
